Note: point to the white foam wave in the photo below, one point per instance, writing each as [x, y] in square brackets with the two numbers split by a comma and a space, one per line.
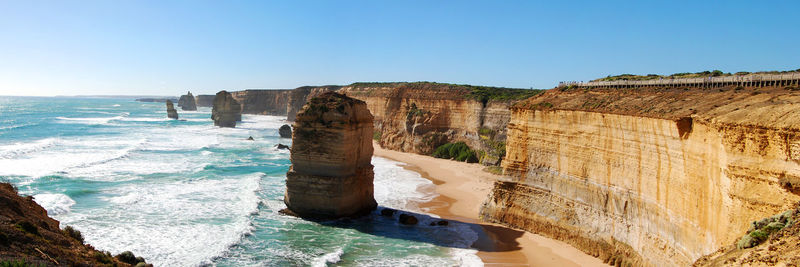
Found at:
[329, 258]
[55, 204]
[181, 223]
[103, 120]
[19, 149]
[10, 127]
[66, 154]
[399, 188]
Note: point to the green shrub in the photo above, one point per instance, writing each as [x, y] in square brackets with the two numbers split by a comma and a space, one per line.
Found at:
[17, 263]
[759, 235]
[456, 151]
[28, 227]
[485, 131]
[376, 135]
[74, 233]
[494, 169]
[103, 257]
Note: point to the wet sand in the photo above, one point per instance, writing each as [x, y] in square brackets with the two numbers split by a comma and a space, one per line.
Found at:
[462, 188]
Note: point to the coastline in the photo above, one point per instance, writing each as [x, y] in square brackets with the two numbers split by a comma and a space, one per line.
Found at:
[462, 187]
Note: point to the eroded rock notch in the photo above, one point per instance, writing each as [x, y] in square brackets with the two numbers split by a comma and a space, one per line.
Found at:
[331, 174]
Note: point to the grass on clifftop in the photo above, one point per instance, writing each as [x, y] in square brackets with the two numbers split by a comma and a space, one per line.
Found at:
[480, 93]
[702, 74]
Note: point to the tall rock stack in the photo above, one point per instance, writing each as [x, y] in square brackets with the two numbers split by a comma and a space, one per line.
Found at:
[226, 111]
[187, 102]
[331, 174]
[171, 112]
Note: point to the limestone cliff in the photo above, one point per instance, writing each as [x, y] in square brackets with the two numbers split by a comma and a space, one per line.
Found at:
[263, 102]
[226, 111]
[187, 102]
[301, 95]
[412, 117]
[331, 174]
[649, 176]
[171, 112]
[204, 100]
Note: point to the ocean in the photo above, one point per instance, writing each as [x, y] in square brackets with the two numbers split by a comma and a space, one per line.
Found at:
[186, 193]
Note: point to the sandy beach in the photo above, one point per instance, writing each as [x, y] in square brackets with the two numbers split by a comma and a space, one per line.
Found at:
[462, 187]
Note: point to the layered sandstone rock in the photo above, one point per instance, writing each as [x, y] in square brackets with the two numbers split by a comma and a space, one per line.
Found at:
[649, 176]
[204, 100]
[263, 102]
[299, 96]
[187, 102]
[331, 174]
[226, 111]
[171, 112]
[411, 117]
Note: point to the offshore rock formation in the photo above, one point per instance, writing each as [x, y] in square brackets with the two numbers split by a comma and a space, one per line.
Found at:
[171, 112]
[187, 102]
[657, 176]
[204, 100]
[28, 234]
[226, 111]
[331, 174]
[285, 131]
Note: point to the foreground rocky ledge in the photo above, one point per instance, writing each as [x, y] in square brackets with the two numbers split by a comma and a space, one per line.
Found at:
[331, 174]
[28, 237]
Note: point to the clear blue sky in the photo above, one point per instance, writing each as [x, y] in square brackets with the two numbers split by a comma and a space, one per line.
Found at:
[169, 47]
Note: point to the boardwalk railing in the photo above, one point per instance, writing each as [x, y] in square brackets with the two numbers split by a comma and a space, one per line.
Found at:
[750, 80]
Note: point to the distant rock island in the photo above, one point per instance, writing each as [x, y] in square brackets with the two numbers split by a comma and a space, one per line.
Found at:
[331, 174]
[187, 102]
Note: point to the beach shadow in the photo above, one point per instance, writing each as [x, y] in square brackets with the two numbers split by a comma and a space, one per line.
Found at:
[456, 234]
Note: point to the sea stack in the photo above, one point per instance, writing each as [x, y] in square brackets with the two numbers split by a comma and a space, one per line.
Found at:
[285, 131]
[226, 111]
[171, 112]
[187, 102]
[331, 174]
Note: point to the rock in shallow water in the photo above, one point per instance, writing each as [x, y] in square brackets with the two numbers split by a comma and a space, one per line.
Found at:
[408, 219]
[285, 131]
[187, 102]
[226, 111]
[331, 174]
[171, 112]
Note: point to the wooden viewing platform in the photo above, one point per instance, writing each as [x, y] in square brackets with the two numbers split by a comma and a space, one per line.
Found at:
[750, 80]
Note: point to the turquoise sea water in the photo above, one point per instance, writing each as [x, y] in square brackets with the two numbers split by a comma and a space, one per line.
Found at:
[186, 193]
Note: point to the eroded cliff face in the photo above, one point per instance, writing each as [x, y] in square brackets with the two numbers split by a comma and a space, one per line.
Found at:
[418, 117]
[409, 117]
[263, 102]
[331, 174]
[654, 177]
[204, 100]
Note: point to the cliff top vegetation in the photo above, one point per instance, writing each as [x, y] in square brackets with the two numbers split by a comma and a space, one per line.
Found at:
[701, 74]
[480, 93]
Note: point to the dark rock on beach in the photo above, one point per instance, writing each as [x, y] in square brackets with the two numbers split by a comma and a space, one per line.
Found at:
[388, 212]
[282, 146]
[408, 219]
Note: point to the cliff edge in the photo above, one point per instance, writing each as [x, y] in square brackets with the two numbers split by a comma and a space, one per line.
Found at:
[650, 176]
